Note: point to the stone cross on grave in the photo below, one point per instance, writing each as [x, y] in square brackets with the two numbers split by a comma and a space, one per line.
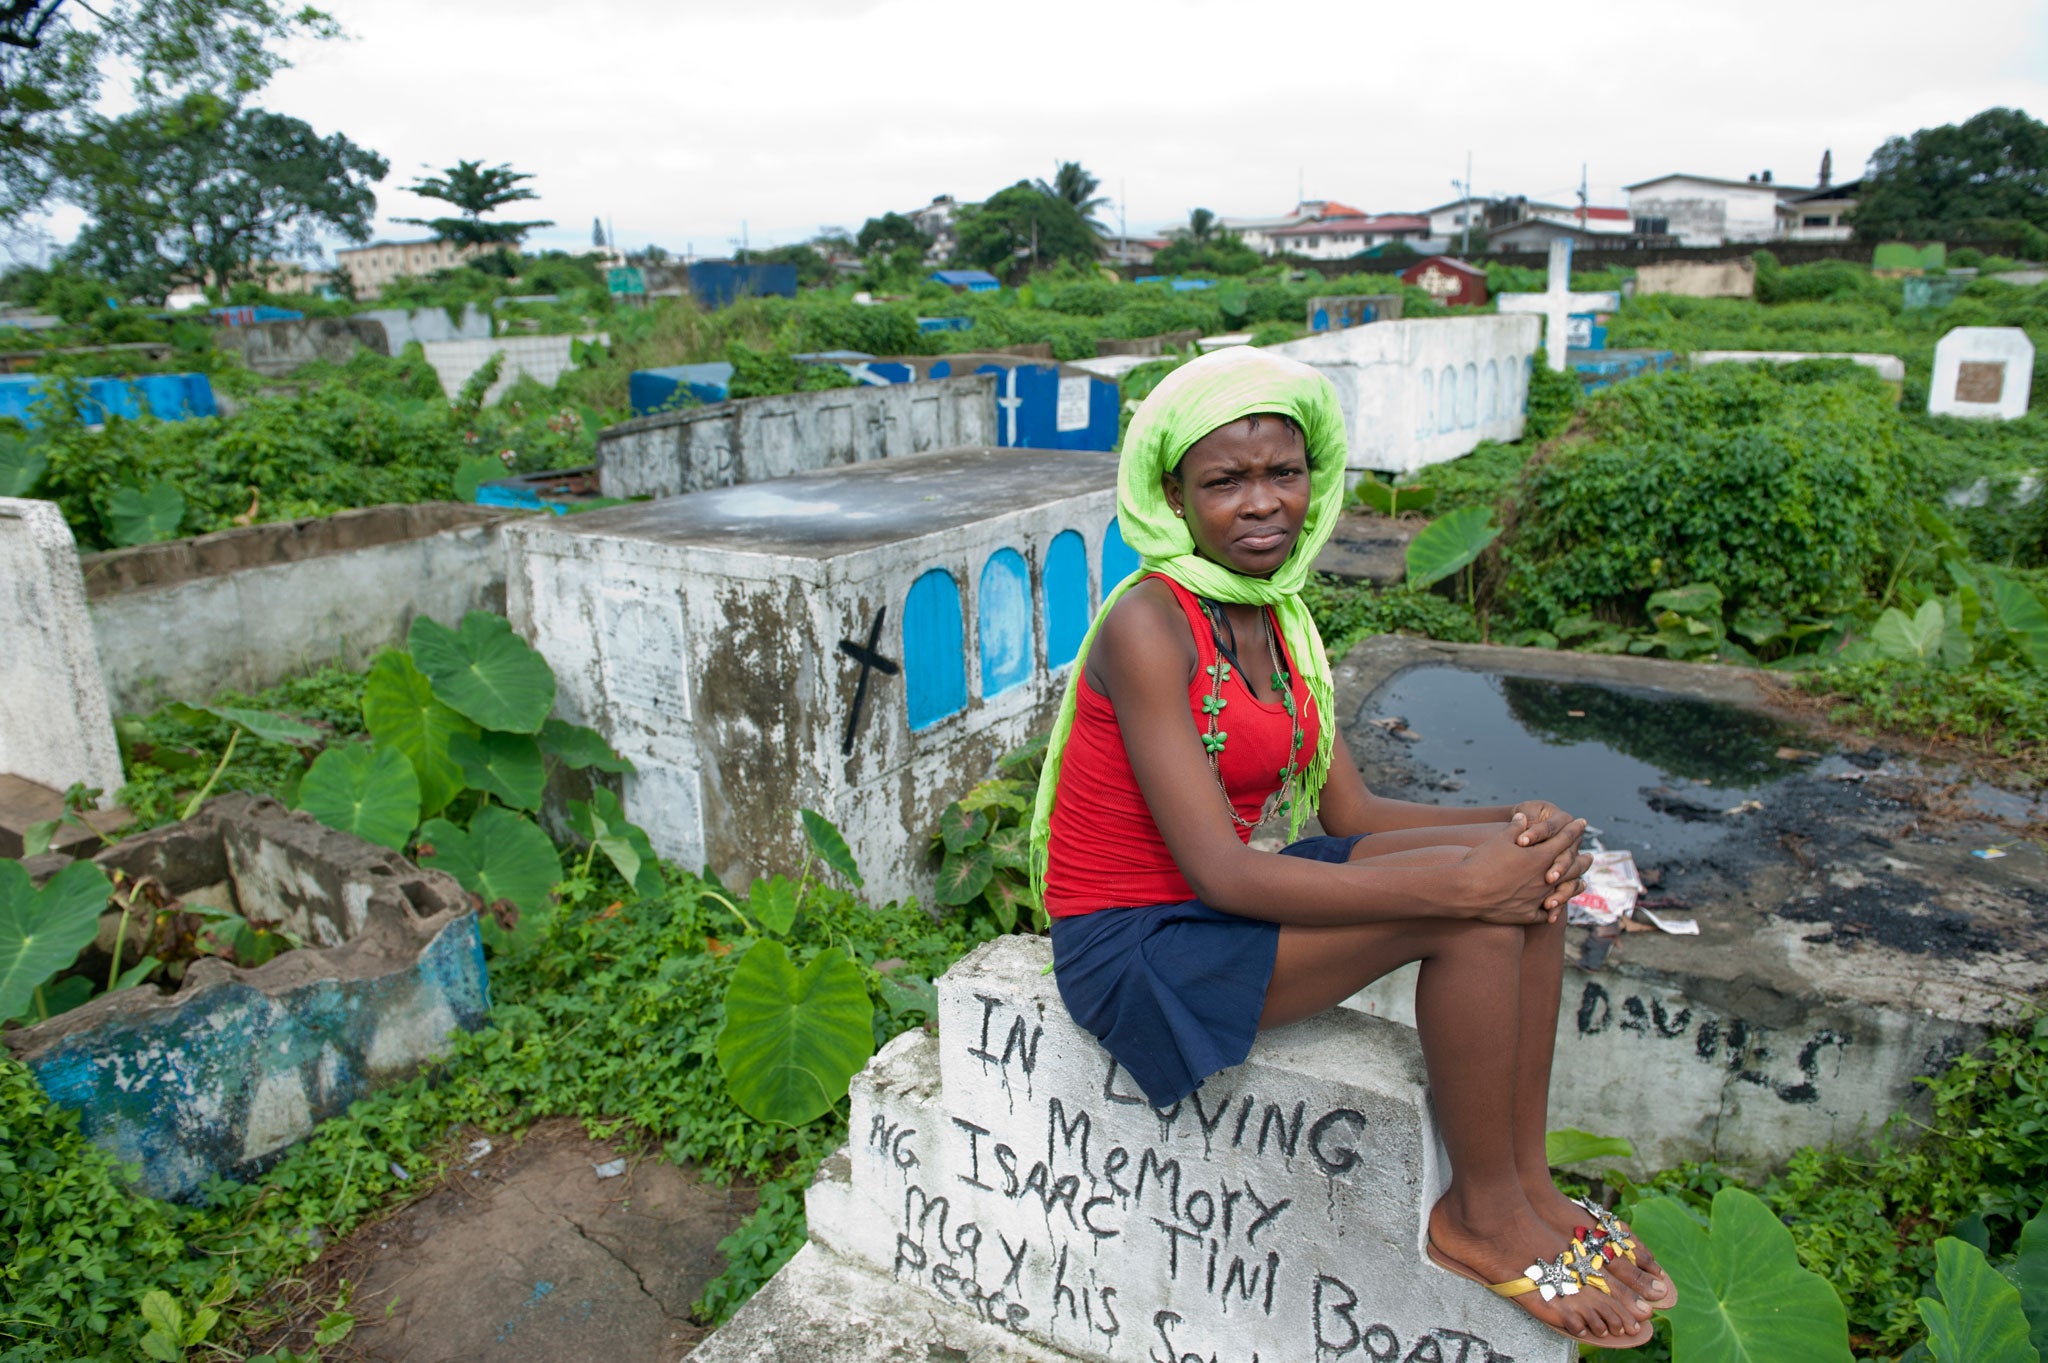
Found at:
[1557, 303]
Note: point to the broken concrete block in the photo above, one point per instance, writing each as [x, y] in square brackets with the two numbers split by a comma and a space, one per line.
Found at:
[220, 1077]
[1007, 1172]
[55, 726]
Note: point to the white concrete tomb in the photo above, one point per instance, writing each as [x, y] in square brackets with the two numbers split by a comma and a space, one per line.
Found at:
[1982, 372]
[1422, 391]
[55, 726]
[1007, 1173]
[544, 359]
[862, 641]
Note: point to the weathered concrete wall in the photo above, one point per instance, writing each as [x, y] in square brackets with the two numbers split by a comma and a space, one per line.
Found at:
[1007, 1170]
[773, 437]
[1165, 343]
[1421, 391]
[541, 358]
[714, 639]
[402, 326]
[220, 1077]
[275, 349]
[1699, 279]
[55, 725]
[247, 608]
[1890, 368]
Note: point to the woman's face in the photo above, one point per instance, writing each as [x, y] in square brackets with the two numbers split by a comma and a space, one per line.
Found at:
[1244, 491]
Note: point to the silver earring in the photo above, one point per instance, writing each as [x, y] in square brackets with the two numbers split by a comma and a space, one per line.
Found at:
[1178, 512]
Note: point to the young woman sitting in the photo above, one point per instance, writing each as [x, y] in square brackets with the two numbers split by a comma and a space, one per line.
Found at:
[1200, 704]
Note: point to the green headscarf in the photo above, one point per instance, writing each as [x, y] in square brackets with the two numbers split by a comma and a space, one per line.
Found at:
[1215, 390]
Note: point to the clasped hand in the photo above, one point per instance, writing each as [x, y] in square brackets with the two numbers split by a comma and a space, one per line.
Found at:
[1530, 870]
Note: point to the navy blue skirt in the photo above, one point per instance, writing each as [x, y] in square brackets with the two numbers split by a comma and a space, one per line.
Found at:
[1173, 991]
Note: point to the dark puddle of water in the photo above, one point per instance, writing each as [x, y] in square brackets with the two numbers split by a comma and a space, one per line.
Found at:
[1653, 772]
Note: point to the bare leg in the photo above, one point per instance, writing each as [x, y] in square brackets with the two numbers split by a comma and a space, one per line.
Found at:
[1469, 1007]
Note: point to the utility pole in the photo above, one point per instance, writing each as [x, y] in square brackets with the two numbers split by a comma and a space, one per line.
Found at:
[1465, 249]
[1582, 196]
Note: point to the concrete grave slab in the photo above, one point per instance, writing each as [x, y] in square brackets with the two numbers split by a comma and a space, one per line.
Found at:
[544, 359]
[1838, 958]
[1422, 391]
[1890, 368]
[1006, 1172]
[1698, 278]
[861, 641]
[1982, 372]
[222, 1076]
[55, 724]
[754, 439]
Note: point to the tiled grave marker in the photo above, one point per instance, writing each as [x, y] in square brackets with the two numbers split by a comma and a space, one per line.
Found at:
[863, 641]
[1982, 372]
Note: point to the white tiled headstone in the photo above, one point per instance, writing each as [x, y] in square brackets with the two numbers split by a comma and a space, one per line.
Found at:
[1982, 371]
[55, 726]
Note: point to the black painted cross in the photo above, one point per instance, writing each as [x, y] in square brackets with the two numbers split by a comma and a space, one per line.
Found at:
[869, 660]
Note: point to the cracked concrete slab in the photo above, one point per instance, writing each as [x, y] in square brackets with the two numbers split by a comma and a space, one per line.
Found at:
[530, 1257]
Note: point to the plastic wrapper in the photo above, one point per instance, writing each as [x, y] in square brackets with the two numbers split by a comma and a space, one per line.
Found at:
[1611, 887]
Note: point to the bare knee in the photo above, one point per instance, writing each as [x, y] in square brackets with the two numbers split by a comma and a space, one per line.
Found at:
[1472, 939]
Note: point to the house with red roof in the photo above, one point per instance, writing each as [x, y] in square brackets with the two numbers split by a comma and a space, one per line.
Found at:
[1340, 238]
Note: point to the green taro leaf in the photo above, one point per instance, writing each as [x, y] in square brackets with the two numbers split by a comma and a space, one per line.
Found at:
[370, 792]
[2023, 616]
[42, 931]
[578, 747]
[773, 902]
[474, 471]
[793, 1040]
[269, 727]
[1978, 1319]
[1698, 598]
[1910, 639]
[502, 856]
[1012, 848]
[603, 823]
[1571, 1146]
[965, 874]
[1027, 759]
[999, 793]
[1375, 494]
[145, 515]
[21, 467]
[1011, 900]
[959, 827]
[505, 765]
[1743, 1296]
[1758, 626]
[830, 846]
[1448, 543]
[401, 713]
[484, 671]
[2030, 1269]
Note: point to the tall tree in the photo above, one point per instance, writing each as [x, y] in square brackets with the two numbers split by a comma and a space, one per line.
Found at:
[201, 191]
[1201, 225]
[1020, 229]
[891, 233]
[475, 189]
[1075, 186]
[54, 59]
[1957, 179]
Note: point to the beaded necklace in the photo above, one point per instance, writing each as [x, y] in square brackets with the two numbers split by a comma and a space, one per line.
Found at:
[1213, 738]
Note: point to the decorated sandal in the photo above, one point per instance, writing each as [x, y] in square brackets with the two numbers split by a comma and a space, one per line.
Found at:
[1565, 1276]
[1609, 1239]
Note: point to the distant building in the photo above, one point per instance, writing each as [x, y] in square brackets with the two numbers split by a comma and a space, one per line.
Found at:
[936, 221]
[1451, 219]
[1449, 280]
[1700, 210]
[1536, 234]
[1132, 250]
[372, 267]
[1823, 215]
[1259, 233]
[1342, 238]
[1607, 222]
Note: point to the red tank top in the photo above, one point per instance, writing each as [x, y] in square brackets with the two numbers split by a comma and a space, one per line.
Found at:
[1106, 851]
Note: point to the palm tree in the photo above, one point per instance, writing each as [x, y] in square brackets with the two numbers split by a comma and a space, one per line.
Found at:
[1077, 187]
[1201, 225]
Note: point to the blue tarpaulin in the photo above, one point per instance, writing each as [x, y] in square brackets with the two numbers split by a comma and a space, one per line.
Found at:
[1039, 405]
[659, 390]
[974, 281]
[945, 323]
[716, 283]
[168, 397]
[1604, 368]
[249, 316]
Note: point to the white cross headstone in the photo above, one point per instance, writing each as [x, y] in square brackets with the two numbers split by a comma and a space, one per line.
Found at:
[1557, 303]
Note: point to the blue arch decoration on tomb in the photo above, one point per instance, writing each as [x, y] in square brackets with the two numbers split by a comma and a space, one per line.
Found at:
[1119, 560]
[1002, 620]
[1447, 399]
[1527, 371]
[934, 649]
[1489, 392]
[1468, 398]
[1428, 405]
[1066, 597]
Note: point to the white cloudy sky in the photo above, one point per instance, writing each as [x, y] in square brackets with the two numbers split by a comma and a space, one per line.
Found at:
[679, 122]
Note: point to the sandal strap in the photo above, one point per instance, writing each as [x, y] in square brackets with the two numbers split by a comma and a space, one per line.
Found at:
[1563, 1276]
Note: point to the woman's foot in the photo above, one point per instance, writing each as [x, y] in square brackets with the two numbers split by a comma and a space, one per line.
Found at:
[1644, 1276]
[1498, 1245]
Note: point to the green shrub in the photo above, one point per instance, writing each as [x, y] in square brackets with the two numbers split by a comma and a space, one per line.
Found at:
[1777, 485]
[1348, 612]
